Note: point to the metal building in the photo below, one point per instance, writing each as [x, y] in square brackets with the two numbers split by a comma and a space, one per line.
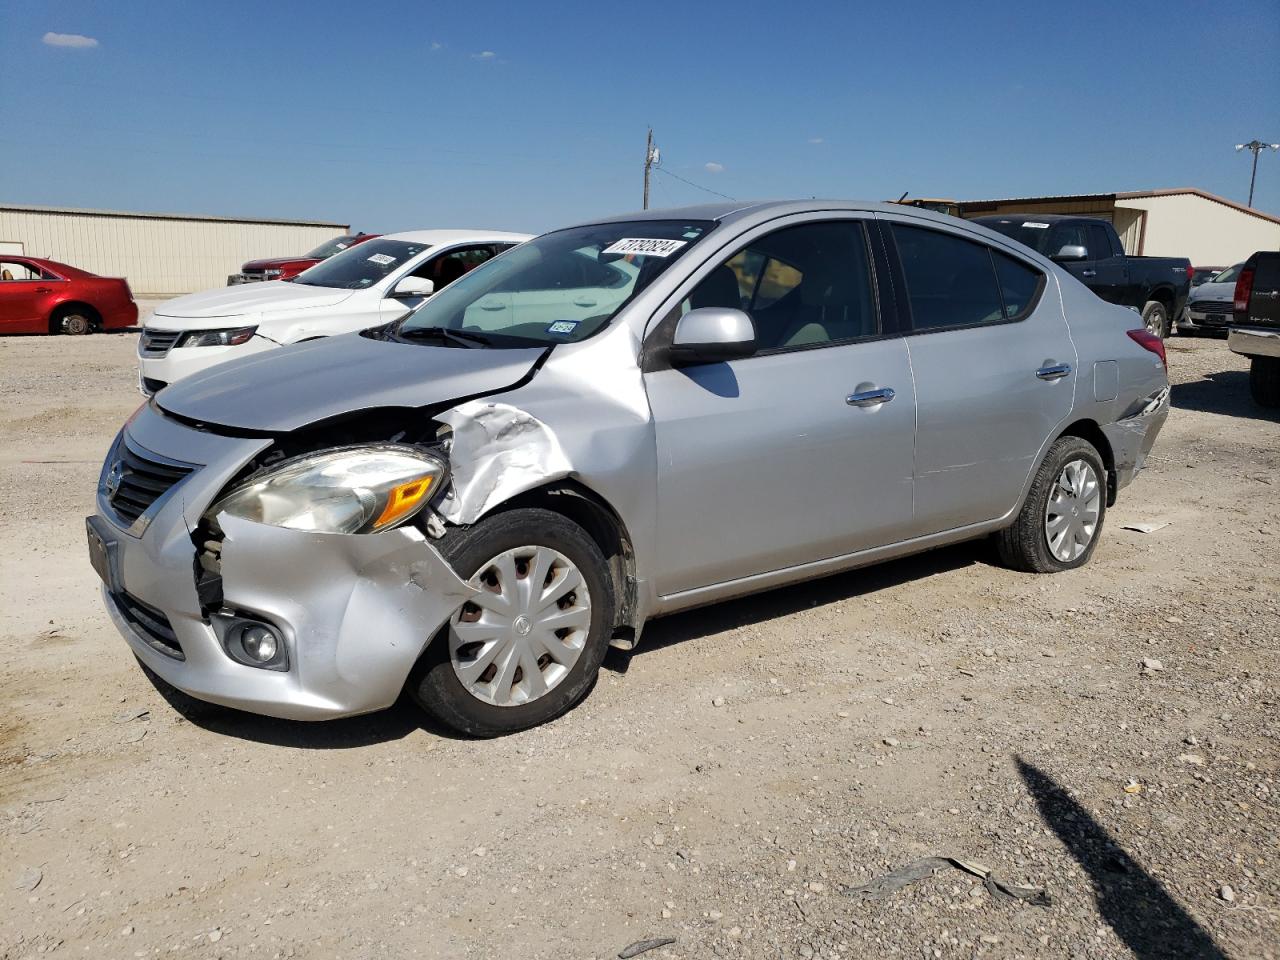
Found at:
[1184, 222]
[160, 254]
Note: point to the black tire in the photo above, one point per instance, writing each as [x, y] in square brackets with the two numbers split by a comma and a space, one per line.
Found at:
[72, 321]
[1024, 546]
[435, 685]
[1156, 318]
[1264, 381]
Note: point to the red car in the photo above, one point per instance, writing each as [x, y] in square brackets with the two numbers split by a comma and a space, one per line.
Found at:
[286, 268]
[43, 296]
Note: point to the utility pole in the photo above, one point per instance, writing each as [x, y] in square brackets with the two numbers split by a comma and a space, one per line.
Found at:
[1253, 146]
[651, 157]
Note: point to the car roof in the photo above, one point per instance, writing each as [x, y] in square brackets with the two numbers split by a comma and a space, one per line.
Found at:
[762, 210]
[440, 238]
[54, 265]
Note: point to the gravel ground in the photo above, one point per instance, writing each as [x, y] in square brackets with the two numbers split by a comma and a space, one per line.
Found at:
[724, 786]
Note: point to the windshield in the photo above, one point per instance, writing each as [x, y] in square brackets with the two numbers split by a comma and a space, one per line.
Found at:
[329, 248]
[1026, 230]
[1228, 275]
[560, 288]
[361, 266]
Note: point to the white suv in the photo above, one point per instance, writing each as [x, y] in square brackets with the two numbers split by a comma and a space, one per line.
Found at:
[373, 283]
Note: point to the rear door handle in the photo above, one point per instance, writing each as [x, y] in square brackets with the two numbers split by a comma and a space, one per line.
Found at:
[44, 289]
[1054, 372]
[1088, 273]
[870, 398]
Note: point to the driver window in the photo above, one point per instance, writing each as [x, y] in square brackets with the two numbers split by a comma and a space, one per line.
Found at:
[803, 286]
[445, 269]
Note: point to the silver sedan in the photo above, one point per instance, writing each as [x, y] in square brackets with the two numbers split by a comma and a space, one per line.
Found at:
[609, 423]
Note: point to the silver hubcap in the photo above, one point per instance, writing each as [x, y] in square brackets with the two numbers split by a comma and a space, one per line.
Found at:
[519, 637]
[1155, 323]
[1071, 517]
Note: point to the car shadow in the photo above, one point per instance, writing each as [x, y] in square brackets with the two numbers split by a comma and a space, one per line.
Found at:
[1135, 904]
[395, 723]
[1225, 393]
[783, 601]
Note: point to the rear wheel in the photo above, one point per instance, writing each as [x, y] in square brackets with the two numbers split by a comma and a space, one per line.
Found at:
[1156, 318]
[72, 321]
[528, 645]
[1264, 381]
[1058, 526]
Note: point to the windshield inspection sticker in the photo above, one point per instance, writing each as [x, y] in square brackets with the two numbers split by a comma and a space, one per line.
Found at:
[382, 260]
[1037, 226]
[644, 248]
[563, 327]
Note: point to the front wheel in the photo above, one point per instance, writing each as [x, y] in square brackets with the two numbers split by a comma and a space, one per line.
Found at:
[1059, 523]
[1156, 318]
[529, 643]
[1264, 381]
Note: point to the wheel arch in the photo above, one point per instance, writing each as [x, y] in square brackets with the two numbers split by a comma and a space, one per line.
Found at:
[1090, 431]
[579, 503]
[66, 306]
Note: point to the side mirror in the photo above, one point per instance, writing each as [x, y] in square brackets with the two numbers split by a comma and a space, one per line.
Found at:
[1070, 253]
[414, 287]
[713, 335]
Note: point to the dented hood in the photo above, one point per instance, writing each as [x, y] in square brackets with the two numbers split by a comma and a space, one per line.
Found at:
[281, 390]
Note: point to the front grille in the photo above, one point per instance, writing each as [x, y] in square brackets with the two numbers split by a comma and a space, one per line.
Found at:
[136, 479]
[150, 624]
[157, 343]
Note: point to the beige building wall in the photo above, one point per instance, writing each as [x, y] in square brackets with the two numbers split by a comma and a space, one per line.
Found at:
[1208, 232]
[160, 255]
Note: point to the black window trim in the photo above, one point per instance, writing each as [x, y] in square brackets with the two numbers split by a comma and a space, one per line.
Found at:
[907, 321]
[659, 340]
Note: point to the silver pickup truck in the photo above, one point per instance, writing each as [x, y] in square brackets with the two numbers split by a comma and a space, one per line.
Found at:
[1256, 331]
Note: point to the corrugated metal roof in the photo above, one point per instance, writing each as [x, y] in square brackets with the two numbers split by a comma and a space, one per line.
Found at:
[139, 215]
[1122, 195]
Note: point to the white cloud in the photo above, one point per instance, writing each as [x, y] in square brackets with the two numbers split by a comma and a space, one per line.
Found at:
[713, 167]
[484, 55]
[436, 45]
[76, 40]
[817, 140]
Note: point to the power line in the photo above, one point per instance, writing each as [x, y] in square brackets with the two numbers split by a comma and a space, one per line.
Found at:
[697, 186]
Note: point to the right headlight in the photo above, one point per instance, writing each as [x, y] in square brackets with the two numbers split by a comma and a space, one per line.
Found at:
[231, 337]
[365, 489]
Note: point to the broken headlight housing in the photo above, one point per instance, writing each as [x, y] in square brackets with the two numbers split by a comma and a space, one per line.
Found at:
[231, 337]
[363, 489]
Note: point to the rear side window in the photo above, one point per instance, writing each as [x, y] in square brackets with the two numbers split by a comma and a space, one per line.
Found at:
[950, 282]
[1019, 285]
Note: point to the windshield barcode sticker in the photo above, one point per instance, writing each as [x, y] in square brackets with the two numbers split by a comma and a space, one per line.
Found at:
[564, 327]
[382, 259]
[639, 247]
[1036, 226]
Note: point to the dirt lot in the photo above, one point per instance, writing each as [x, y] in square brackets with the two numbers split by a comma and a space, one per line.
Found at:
[721, 786]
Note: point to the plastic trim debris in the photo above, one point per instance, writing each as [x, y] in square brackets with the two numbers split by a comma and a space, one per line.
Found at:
[882, 887]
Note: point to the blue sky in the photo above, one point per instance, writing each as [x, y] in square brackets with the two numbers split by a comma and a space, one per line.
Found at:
[531, 115]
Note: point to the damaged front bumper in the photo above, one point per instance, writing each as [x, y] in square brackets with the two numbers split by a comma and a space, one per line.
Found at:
[354, 612]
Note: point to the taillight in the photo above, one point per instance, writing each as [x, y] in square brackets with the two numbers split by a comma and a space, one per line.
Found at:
[1191, 271]
[1244, 289]
[1149, 341]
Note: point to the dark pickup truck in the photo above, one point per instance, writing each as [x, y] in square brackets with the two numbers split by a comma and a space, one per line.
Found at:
[1255, 332]
[1089, 249]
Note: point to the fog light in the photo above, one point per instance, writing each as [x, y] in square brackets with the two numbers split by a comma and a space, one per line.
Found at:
[260, 643]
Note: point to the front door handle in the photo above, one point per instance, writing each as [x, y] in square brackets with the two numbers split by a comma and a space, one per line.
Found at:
[870, 398]
[1054, 371]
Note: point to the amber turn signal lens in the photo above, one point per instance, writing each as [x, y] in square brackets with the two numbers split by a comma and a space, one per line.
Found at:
[402, 500]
